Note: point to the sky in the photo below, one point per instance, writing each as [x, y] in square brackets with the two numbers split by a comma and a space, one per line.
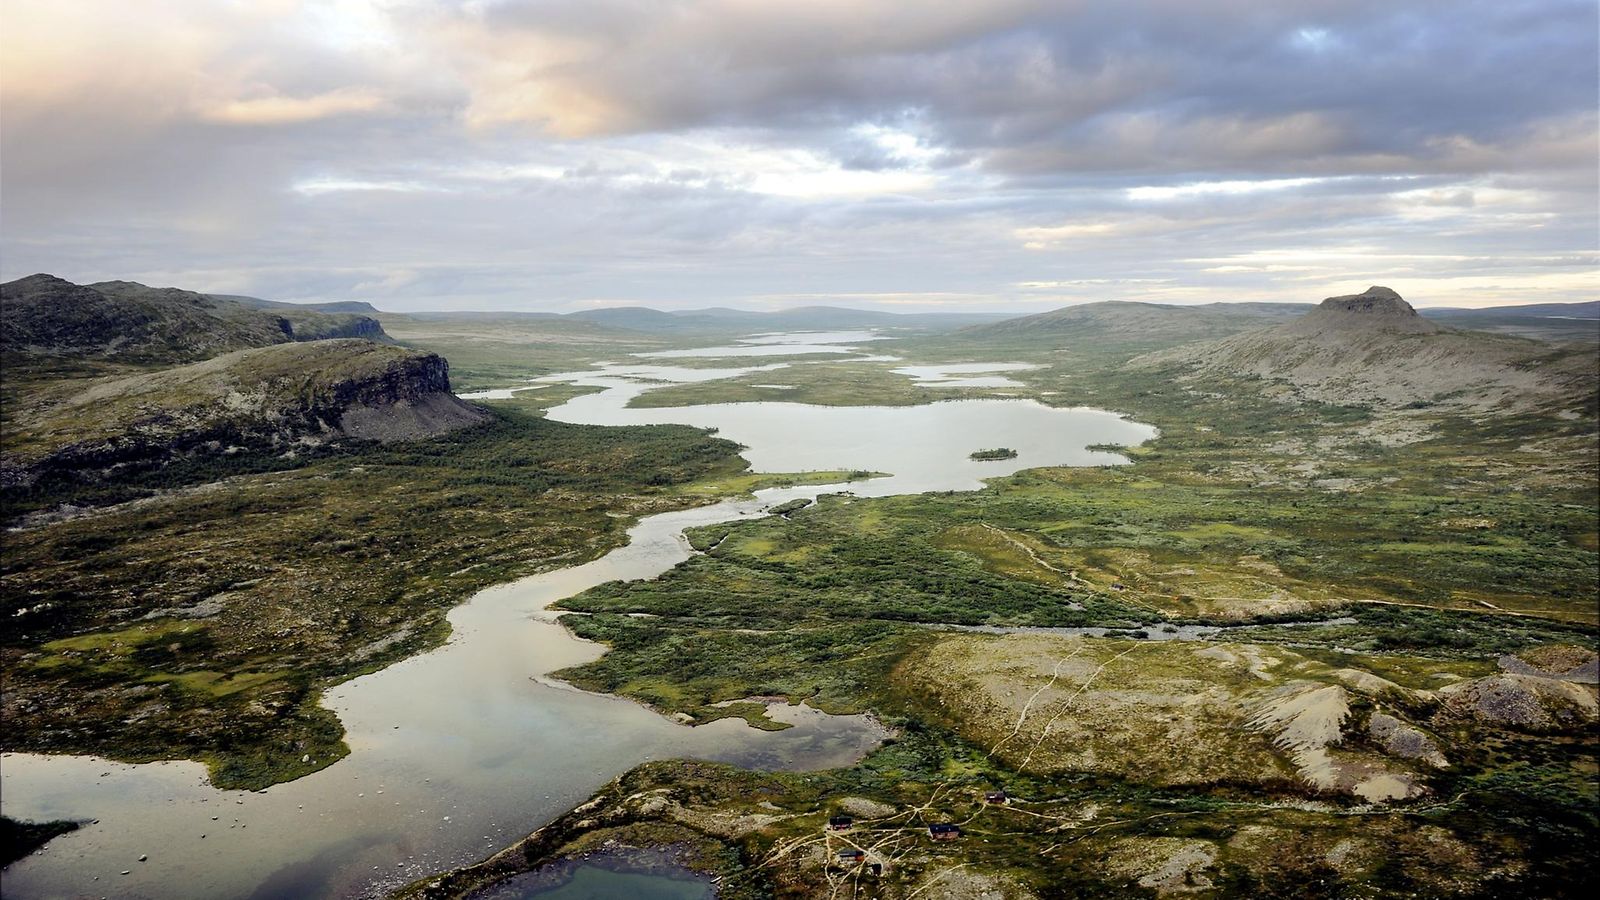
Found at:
[982, 155]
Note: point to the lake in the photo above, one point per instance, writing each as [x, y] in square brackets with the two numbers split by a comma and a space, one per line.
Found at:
[460, 751]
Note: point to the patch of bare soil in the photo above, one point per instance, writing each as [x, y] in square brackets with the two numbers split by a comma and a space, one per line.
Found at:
[956, 883]
[1167, 865]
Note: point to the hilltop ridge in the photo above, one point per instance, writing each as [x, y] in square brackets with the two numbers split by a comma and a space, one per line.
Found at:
[43, 316]
[1377, 308]
[1374, 348]
[1133, 322]
[115, 377]
[274, 399]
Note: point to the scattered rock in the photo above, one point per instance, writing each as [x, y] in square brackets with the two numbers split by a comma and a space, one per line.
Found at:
[1167, 865]
[1563, 661]
[863, 808]
[1399, 739]
[1528, 702]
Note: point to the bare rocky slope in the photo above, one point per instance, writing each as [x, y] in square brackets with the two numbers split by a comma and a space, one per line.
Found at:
[42, 316]
[1372, 348]
[275, 398]
[1127, 321]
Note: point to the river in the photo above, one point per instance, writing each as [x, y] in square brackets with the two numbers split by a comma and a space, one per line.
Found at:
[459, 751]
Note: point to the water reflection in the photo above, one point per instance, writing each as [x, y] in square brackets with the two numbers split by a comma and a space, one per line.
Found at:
[457, 752]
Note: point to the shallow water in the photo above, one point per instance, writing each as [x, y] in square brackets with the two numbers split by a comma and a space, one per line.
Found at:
[793, 343]
[978, 375]
[596, 883]
[457, 752]
[454, 754]
[925, 448]
[636, 875]
[813, 337]
[500, 393]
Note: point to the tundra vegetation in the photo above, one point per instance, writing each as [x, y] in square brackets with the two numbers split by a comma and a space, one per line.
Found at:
[1394, 695]
[195, 603]
[214, 613]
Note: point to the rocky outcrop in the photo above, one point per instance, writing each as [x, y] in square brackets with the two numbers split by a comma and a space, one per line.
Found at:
[1374, 349]
[1375, 309]
[43, 316]
[1525, 702]
[277, 399]
[1400, 739]
[319, 327]
[1565, 662]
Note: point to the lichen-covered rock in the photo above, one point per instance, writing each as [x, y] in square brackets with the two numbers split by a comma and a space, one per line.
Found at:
[1399, 739]
[1528, 702]
[1563, 661]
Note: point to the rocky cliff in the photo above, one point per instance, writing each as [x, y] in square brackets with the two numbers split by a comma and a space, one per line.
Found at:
[276, 399]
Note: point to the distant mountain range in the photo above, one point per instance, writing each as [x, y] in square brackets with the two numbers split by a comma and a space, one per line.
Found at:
[1157, 324]
[1374, 348]
[645, 320]
[1588, 309]
[78, 320]
[1123, 321]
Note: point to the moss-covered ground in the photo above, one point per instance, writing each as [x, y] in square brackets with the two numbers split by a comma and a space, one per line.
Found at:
[1377, 556]
[215, 611]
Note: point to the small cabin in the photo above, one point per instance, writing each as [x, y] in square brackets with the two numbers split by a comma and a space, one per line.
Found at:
[840, 823]
[944, 831]
[997, 798]
[852, 856]
[1118, 586]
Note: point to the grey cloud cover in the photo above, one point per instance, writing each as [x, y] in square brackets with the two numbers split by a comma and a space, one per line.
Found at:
[1000, 155]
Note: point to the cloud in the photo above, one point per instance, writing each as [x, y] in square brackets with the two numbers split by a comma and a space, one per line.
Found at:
[276, 109]
[510, 153]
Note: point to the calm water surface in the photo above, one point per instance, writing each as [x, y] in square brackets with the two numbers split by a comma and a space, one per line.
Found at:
[792, 343]
[608, 875]
[457, 752]
[595, 883]
[978, 375]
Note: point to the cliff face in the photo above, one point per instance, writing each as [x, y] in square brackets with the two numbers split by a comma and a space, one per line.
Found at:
[123, 321]
[340, 326]
[273, 399]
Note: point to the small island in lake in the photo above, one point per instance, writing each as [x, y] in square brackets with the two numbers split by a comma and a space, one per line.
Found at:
[996, 453]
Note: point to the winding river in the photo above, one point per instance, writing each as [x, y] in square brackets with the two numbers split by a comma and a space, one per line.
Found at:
[457, 752]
